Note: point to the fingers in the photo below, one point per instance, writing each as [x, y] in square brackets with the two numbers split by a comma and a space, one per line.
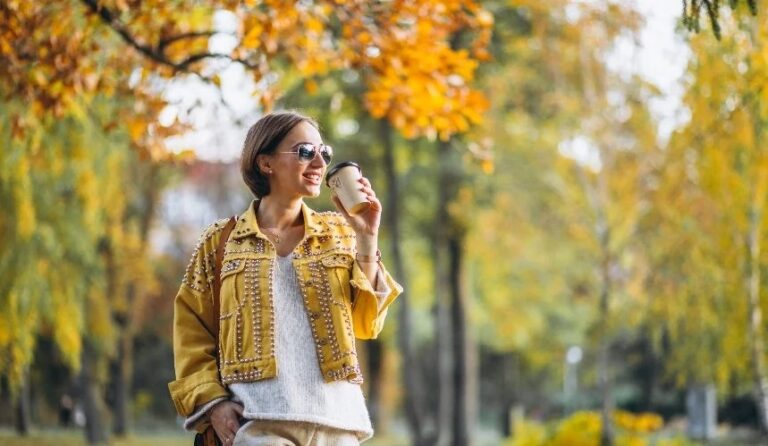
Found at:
[226, 439]
[370, 194]
[375, 204]
[224, 418]
[225, 435]
[227, 432]
[367, 188]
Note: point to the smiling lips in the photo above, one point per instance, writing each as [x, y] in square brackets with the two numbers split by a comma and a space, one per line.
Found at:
[312, 177]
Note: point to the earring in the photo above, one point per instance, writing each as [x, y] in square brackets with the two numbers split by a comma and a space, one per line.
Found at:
[270, 171]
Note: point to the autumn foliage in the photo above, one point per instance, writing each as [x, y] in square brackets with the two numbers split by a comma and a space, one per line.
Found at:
[65, 59]
[579, 226]
[64, 52]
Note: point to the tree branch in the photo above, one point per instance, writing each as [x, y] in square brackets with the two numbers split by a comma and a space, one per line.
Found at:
[157, 54]
[190, 35]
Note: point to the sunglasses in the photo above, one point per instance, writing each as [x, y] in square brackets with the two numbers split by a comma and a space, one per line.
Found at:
[307, 152]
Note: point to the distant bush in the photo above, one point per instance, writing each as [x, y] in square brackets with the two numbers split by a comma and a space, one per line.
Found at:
[583, 429]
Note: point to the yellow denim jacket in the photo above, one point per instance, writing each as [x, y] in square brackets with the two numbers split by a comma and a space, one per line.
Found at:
[338, 297]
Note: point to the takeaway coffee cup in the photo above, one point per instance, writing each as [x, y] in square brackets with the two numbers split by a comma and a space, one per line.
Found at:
[343, 181]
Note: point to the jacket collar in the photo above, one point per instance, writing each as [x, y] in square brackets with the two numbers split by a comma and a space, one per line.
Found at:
[247, 223]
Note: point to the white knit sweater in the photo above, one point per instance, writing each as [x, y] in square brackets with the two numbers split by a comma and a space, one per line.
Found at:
[298, 393]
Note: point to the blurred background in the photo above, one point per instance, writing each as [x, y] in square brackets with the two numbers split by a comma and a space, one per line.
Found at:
[574, 200]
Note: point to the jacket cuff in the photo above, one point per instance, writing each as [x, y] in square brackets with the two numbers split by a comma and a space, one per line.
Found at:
[196, 390]
[370, 306]
[386, 289]
[199, 419]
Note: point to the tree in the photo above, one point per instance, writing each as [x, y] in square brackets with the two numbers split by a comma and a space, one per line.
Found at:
[56, 222]
[574, 141]
[712, 195]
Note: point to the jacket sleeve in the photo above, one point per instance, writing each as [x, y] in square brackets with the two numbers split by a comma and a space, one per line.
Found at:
[194, 345]
[369, 305]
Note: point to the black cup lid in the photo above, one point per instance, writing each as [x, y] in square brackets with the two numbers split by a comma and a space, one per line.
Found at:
[332, 171]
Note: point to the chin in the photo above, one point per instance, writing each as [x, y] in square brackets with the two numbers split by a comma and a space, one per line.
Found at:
[312, 192]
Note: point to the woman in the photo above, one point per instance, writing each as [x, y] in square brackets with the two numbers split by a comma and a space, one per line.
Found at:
[296, 288]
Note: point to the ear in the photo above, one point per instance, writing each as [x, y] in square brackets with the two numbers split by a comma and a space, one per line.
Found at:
[265, 164]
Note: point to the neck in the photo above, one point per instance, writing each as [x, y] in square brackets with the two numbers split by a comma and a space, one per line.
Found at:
[279, 212]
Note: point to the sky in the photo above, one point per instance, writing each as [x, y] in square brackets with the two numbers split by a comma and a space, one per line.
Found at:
[661, 58]
[221, 118]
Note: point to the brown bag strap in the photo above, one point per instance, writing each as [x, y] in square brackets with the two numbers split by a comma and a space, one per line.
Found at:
[209, 437]
[217, 274]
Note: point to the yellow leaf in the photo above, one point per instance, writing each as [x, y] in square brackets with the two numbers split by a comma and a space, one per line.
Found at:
[136, 129]
[310, 86]
[314, 25]
[252, 38]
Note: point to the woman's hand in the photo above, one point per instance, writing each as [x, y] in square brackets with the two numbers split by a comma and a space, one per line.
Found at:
[225, 420]
[366, 224]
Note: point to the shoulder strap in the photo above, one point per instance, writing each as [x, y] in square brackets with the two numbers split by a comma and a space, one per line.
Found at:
[217, 274]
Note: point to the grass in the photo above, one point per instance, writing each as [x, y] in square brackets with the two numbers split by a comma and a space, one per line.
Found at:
[170, 438]
[76, 438]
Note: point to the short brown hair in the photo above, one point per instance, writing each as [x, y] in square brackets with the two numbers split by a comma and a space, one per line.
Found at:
[263, 139]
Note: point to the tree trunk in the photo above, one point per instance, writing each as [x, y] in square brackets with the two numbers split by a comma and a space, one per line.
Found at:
[650, 368]
[606, 432]
[121, 382]
[756, 207]
[23, 410]
[92, 406]
[414, 406]
[596, 199]
[119, 365]
[511, 390]
[446, 183]
[462, 414]
[756, 319]
[606, 414]
[122, 366]
[375, 353]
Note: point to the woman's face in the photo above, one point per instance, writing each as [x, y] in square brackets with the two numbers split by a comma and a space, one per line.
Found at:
[292, 176]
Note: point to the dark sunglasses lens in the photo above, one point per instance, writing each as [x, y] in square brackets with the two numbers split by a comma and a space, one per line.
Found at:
[327, 153]
[306, 152]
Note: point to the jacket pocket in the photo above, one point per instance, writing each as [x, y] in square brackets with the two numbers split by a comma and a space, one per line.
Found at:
[337, 260]
[338, 270]
[231, 302]
[231, 274]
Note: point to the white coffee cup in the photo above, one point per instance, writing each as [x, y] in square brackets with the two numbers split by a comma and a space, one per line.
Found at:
[343, 181]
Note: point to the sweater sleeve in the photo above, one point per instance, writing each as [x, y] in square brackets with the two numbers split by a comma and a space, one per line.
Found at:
[199, 419]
